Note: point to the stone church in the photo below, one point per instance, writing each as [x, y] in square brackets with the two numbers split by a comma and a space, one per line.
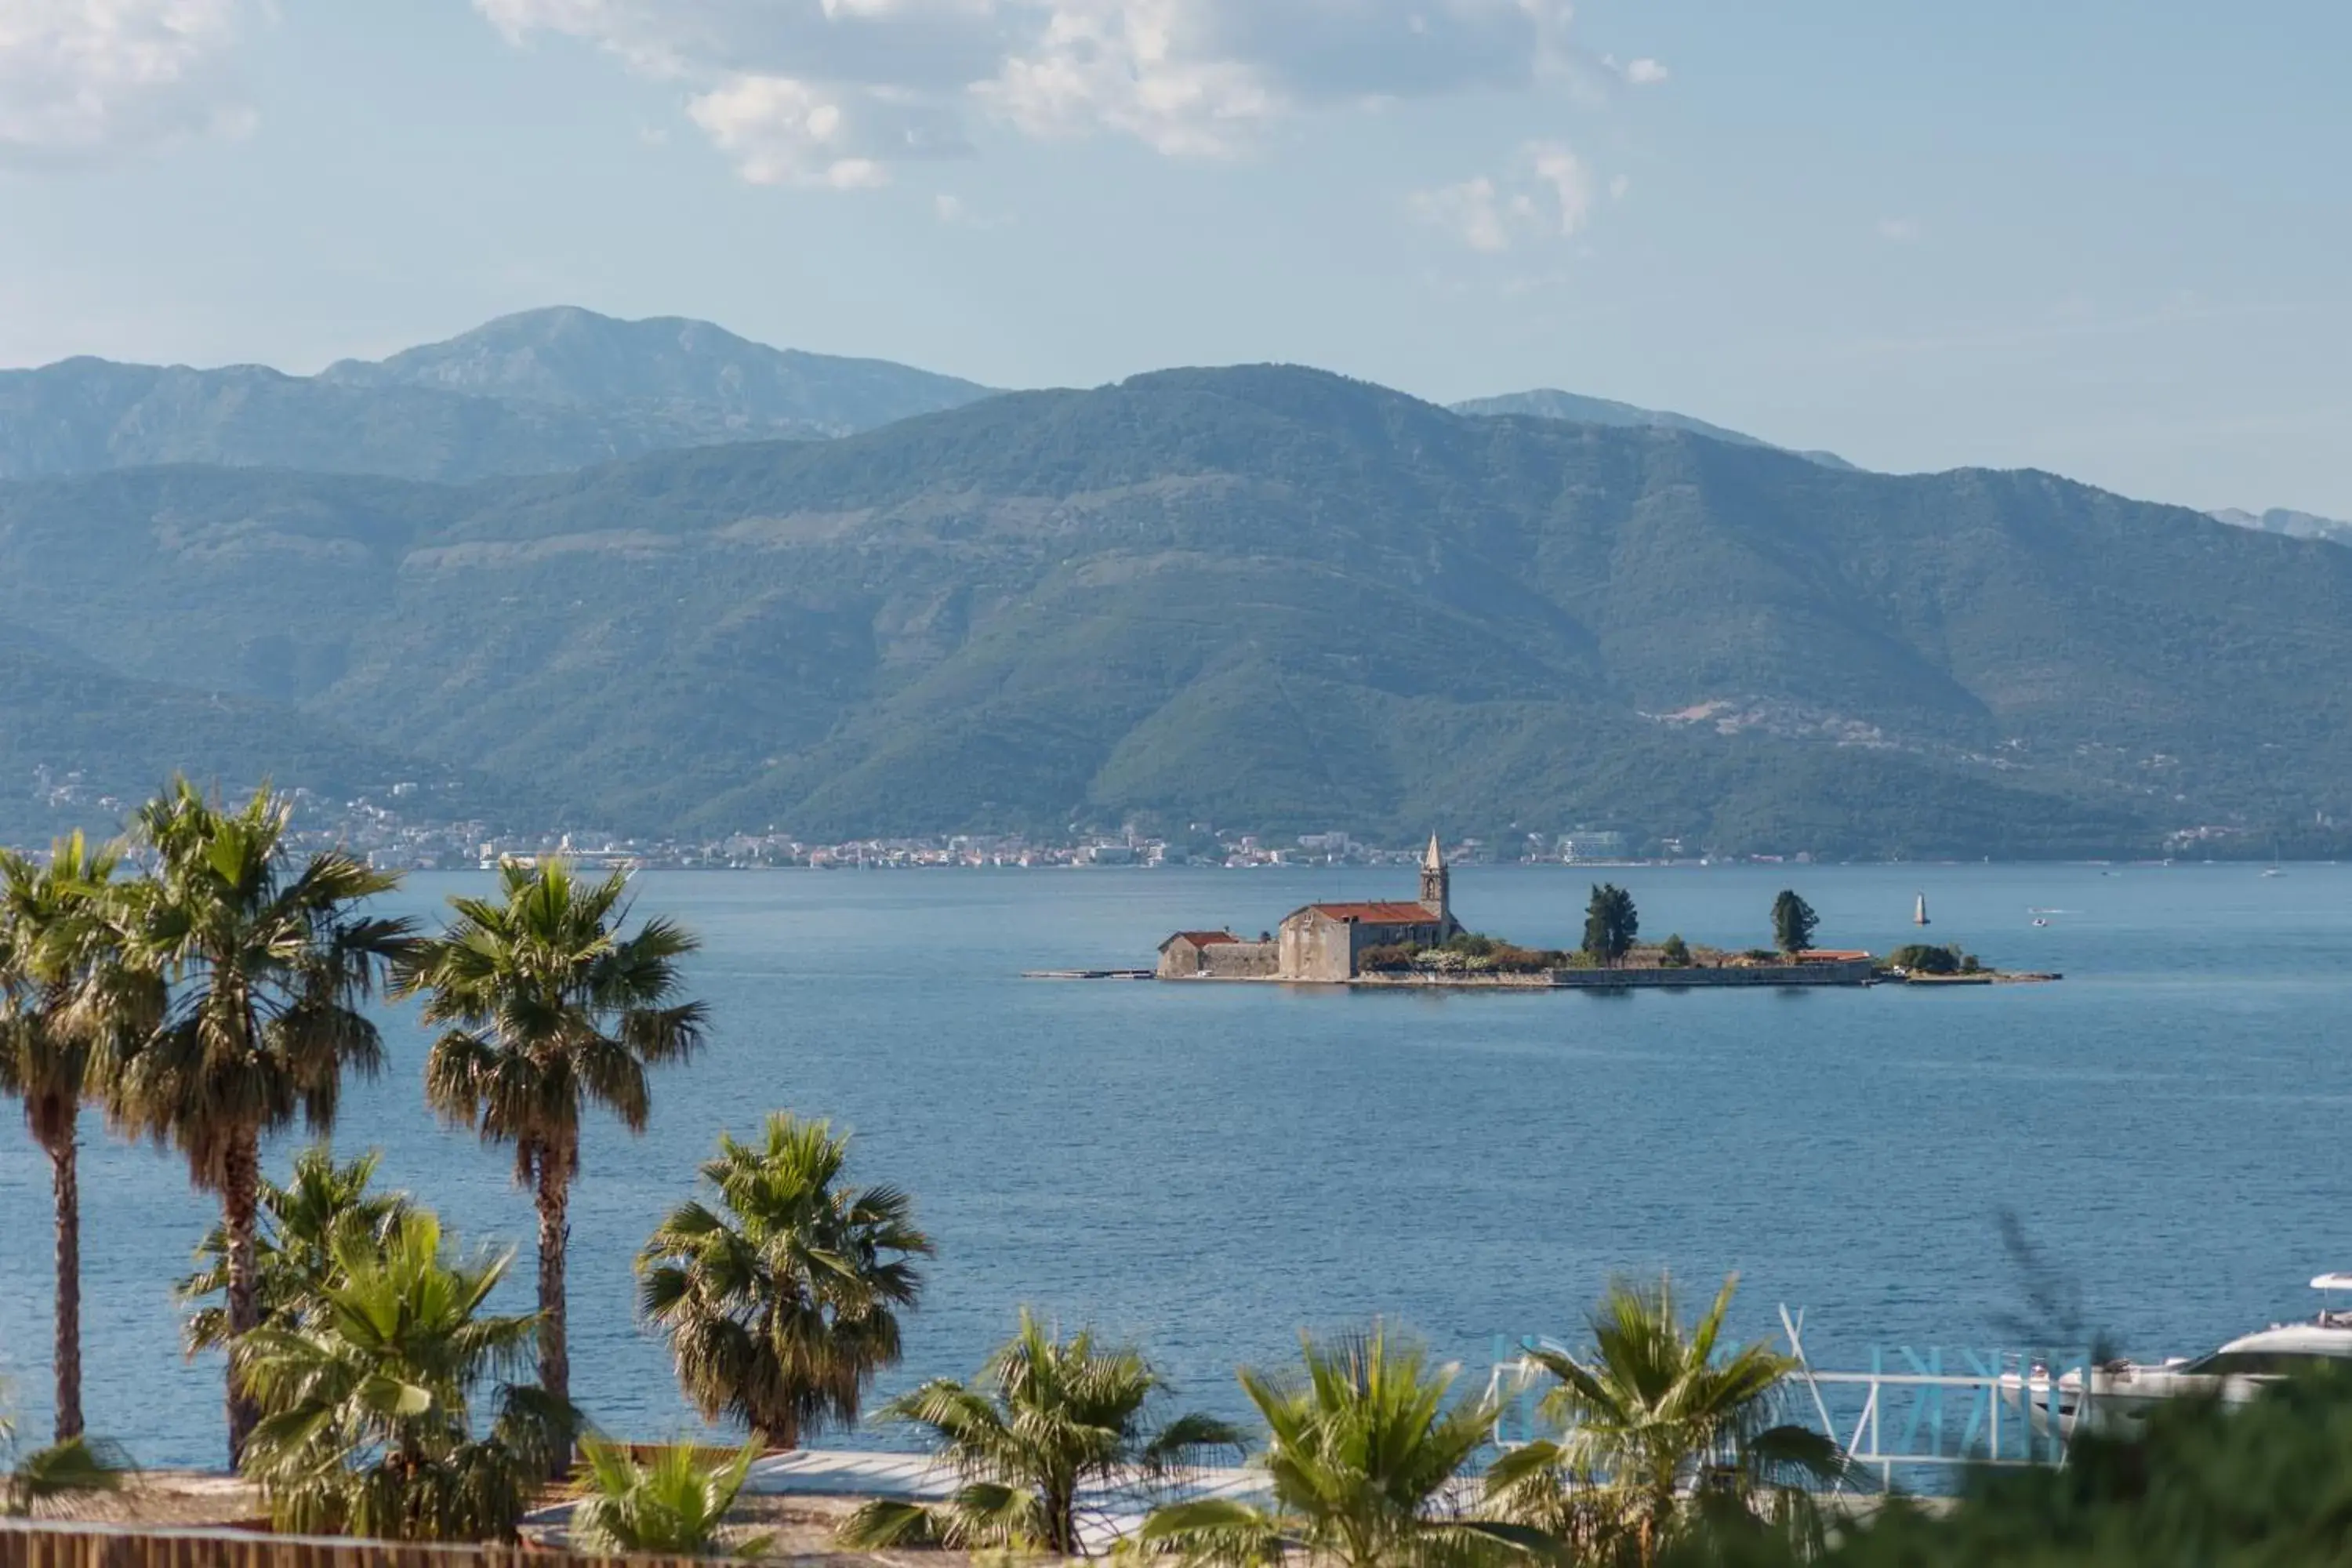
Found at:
[1321, 942]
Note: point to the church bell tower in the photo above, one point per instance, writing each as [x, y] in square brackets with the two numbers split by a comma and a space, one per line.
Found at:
[1437, 883]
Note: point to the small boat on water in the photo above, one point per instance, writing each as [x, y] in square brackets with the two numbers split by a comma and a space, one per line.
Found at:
[2121, 1393]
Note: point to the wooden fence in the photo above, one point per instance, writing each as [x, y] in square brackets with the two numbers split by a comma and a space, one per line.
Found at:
[24, 1544]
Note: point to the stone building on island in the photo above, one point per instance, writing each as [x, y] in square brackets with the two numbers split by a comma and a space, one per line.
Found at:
[1321, 942]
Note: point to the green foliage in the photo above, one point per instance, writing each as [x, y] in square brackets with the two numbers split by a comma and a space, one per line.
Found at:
[1482, 954]
[1361, 1445]
[1674, 952]
[1610, 924]
[1656, 1420]
[271, 964]
[2263, 1485]
[68, 1007]
[1388, 957]
[781, 1305]
[1923, 958]
[672, 1506]
[321, 1204]
[1792, 922]
[1047, 1417]
[50, 1480]
[366, 1397]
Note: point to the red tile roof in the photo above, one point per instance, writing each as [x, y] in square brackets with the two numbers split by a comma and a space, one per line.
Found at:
[1382, 914]
[1203, 938]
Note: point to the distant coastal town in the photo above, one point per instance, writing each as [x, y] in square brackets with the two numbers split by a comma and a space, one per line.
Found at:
[413, 825]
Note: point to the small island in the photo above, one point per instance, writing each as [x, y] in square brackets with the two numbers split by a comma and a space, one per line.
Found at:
[1419, 943]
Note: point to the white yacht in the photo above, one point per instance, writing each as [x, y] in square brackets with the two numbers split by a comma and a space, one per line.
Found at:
[2122, 1392]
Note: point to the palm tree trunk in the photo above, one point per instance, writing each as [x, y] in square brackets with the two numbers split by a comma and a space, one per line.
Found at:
[240, 1201]
[553, 1172]
[66, 1181]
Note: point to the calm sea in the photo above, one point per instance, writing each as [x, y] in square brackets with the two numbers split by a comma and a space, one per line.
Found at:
[1208, 1170]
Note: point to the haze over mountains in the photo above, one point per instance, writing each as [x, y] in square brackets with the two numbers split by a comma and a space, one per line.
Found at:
[1262, 598]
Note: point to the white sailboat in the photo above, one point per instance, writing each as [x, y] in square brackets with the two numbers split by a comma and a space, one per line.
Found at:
[1919, 911]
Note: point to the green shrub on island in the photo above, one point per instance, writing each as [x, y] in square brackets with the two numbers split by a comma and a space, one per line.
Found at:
[1467, 953]
[1674, 952]
[1924, 958]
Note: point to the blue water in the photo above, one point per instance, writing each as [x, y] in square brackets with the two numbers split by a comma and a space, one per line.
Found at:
[1208, 1170]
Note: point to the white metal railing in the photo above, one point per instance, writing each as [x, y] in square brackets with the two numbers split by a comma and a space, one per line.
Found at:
[1992, 1407]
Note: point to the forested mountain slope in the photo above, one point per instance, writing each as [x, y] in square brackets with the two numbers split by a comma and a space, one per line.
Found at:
[1265, 597]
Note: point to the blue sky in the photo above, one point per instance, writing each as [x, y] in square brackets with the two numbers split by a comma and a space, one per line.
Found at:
[2099, 238]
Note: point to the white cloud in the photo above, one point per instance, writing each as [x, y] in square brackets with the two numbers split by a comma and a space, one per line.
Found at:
[86, 80]
[1567, 180]
[1187, 78]
[1899, 230]
[1548, 194]
[1472, 211]
[1125, 66]
[1644, 72]
[780, 132]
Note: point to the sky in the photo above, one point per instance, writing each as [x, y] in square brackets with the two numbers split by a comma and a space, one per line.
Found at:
[2100, 238]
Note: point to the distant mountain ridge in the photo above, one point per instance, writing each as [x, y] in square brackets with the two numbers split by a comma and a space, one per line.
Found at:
[541, 392]
[1549, 403]
[685, 368]
[1259, 596]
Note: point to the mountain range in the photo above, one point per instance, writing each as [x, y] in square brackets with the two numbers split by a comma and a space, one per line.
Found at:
[1263, 597]
[541, 392]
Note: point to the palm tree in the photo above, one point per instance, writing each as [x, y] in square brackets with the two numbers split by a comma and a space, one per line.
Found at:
[67, 1003]
[550, 1009]
[673, 1507]
[367, 1426]
[781, 1309]
[1655, 1419]
[1363, 1452]
[321, 1204]
[1051, 1417]
[269, 967]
